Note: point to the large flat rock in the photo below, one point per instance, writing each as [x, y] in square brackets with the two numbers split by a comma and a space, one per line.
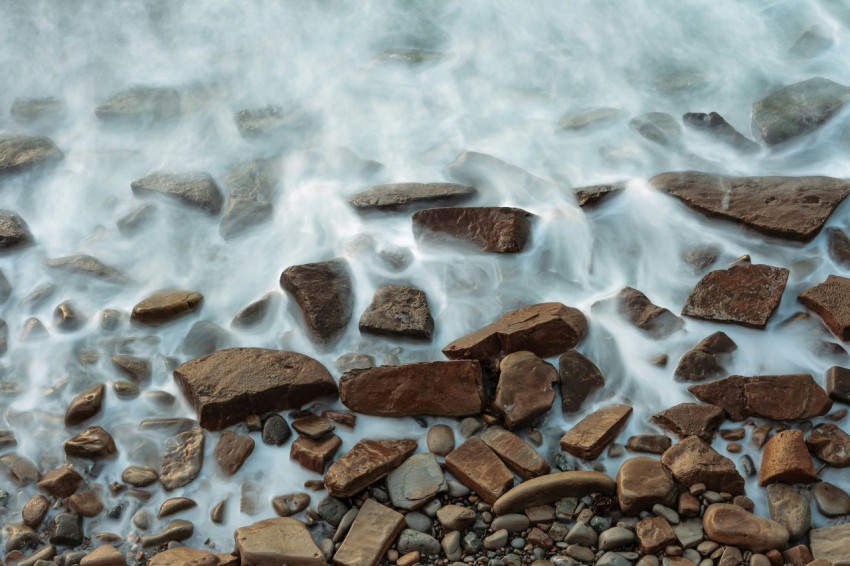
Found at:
[832, 544]
[477, 467]
[402, 196]
[732, 525]
[693, 461]
[398, 311]
[491, 229]
[367, 462]
[226, 386]
[277, 541]
[324, 295]
[794, 208]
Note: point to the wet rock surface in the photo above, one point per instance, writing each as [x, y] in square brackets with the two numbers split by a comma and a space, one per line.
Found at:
[692, 419]
[715, 126]
[636, 307]
[831, 444]
[729, 524]
[495, 229]
[476, 466]
[20, 152]
[165, 306]
[14, 232]
[140, 106]
[398, 311]
[324, 294]
[692, 461]
[182, 459]
[705, 359]
[579, 378]
[367, 462]
[403, 196]
[195, 189]
[593, 195]
[251, 191]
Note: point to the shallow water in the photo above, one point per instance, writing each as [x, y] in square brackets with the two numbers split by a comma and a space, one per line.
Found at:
[410, 86]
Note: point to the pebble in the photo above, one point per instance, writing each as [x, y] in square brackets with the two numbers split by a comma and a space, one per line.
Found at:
[217, 512]
[419, 522]
[276, 431]
[581, 553]
[411, 540]
[613, 559]
[142, 520]
[178, 530]
[471, 543]
[175, 505]
[455, 517]
[66, 529]
[451, 545]
[431, 507]
[34, 510]
[615, 537]
[345, 524]
[582, 534]
[332, 510]
[470, 426]
[457, 489]
[409, 559]
[440, 439]
[713, 497]
[496, 540]
[513, 523]
[671, 516]
[518, 543]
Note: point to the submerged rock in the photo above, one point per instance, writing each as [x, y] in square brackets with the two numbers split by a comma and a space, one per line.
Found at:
[398, 311]
[267, 121]
[657, 321]
[658, 127]
[20, 152]
[829, 301]
[491, 229]
[87, 265]
[402, 196]
[165, 306]
[14, 232]
[583, 118]
[194, 189]
[182, 459]
[324, 295]
[714, 125]
[94, 442]
[204, 338]
[140, 106]
[34, 110]
[85, 405]
[704, 361]
[251, 189]
[593, 195]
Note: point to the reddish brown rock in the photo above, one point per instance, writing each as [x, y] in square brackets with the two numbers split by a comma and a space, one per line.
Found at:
[704, 361]
[491, 229]
[838, 384]
[794, 208]
[35, 510]
[515, 452]
[831, 444]
[227, 386]
[85, 504]
[398, 311]
[644, 482]
[729, 524]
[323, 293]
[448, 389]
[653, 534]
[589, 437]
[545, 329]
[692, 419]
[186, 556]
[367, 462]
[692, 461]
[277, 541]
[579, 379]
[777, 397]
[786, 459]
[61, 482]
[314, 454]
[85, 405]
[373, 531]
[829, 301]
[743, 294]
[93, 442]
[165, 306]
[636, 307]
[525, 389]
[232, 450]
[313, 426]
[651, 443]
[477, 467]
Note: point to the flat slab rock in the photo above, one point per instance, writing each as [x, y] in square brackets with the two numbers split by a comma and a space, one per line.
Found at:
[593, 195]
[374, 529]
[195, 189]
[398, 311]
[87, 265]
[140, 105]
[832, 544]
[324, 295]
[591, 435]
[491, 229]
[21, 152]
[515, 452]
[793, 208]
[777, 397]
[545, 329]
[692, 419]
[447, 389]
[367, 462]
[477, 467]
[743, 294]
[829, 301]
[402, 196]
[182, 459]
[226, 386]
[277, 541]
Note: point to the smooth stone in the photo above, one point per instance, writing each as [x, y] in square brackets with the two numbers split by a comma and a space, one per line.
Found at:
[232, 450]
[276, 431]
[456, 517]
[553, 487]
[373, 531]
[579, 378]
[14, 232]
[715, 126]
[137, 369]
[166, 306]
[331, 510]
[94, 442]
[410, 541]
[831, 444]
[35, 510]
[440, 439]
[85, 405]
[89, 266]
[656, 321]
[512, 522]
[403, 196]
[732, 525]
[415, 481]
[277, 541]
[175, 505]
[290, 504]
[831, 500]
[182, 459]
[790, 509]
[615, 537]
[104, 555]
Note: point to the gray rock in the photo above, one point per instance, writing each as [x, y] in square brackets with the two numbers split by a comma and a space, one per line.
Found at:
[20, 470]
[267, 121]
[669, 515]
[14, 232]
[345, 524]
[583, 118]
[332, 510]
[471, 542]
[451, 545]
[140, 106]
[658, 127]
[419, 522]
[613, 559]
[251, 188]
[689, 532]
[457, 489]
[276, 431]
[403, 196]
[20, 153]
[254, 314]
[415, 481]
[789, 508]
[831, 500]
[195, 189]
[615, 537]
[34, 110]
[204, 338]
[440, 439]
[87, 265]
[582, 534]
[497, 540]
[19, 536]
[410, 541]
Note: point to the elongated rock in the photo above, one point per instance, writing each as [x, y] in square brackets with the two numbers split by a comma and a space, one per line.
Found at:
[491, 229]
[656, 321]
[449, 389]
[715, 126]
[593, 195]
[226, 386]
[829, 301]
[550, 488]
[165, 306]
[589, 437]
[732, 525]
[545, 329]
[323, 293]
[277, 541]
[402, 196]
[794, 208]
[182, 459]
[21, 152]
[367, 462]
[525, 390]
[87, 265]
[515, 452]
[477, 467]
[140, 106]
[194, 189]
[373, 531]
[579, 378]
[692, 461]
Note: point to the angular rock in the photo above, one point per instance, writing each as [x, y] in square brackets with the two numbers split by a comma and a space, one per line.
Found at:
[66, 529]
[798, 109]
[324, 295]
[591, 435]
[85, 503]
[255, 313]
[692, 461]
[491, 229]
[313, 426]
[715, 126]
[592, 195]
[642, 483]
[182, 459]
[657, 321]
[525, 389]
[704, 361]
[19, 537]
[140, 106]
[20, 470]
[232, 450]
[654, 534]
[195, 189]
[777, 397]
[403, 196]
[277, 541]
[226, 386]
[85, 405]
[367, 462]
[550, 488]
[93, 442]
[651, 443]
[732, 525]
[838, 384]
[692, 419]
[135, 368]
[20, 153]
[398, 311]
[545, 329]
[794, 208]
[14, 232]
[786, 459]
[314, 455]
[165, 306]
[269, 121]
[416, 481]
[790, 509]
[449, 389]
[579, 378]
[477, 467]
[251, 188]
[828, 301]
[515, 452]
[61, 482]
[831, 544]
[831, 444]
[371, 534]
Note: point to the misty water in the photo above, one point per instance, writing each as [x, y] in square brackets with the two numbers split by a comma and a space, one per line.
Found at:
[380, 92]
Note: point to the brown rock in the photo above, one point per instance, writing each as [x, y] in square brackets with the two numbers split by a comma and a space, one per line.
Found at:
[704, 361]
[165, 306]
[794, 208]
[657, 321]
[175, 505]
[182, 459]
[85, 405]
[195, 189]
[743, 294]
[579, 379]
[545, 329]
[832, 544]
[524, 391]
[94, 442]
[589, 437]
[367, 462]
[313, 426]
[829, 301]
[838, 384]
[232, 450]
[786, 459]
[85, 503]
[652, 443]
[790, 509]
[692, 419]
[831, 444]
[277, 541]
[440, 439]
[185, 556]
[35, 510]
[798, 555]
[314, 454]
[104, 555]
[644, 482]
[14, 231]
[732, 525]
[139, 476]
[135, 368]
[449, 389]
[692, 461]
[550, 488]
[402, 196]
[290, 504]
[831, 500]
[515, 452]
[398, 311]
[838, 247]
[227, 386]
[492, 229]
[477, 467]
[592, 195]
[323, 293]
[61, 482]
[653, 534]
[373, 531]
[20, 470]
